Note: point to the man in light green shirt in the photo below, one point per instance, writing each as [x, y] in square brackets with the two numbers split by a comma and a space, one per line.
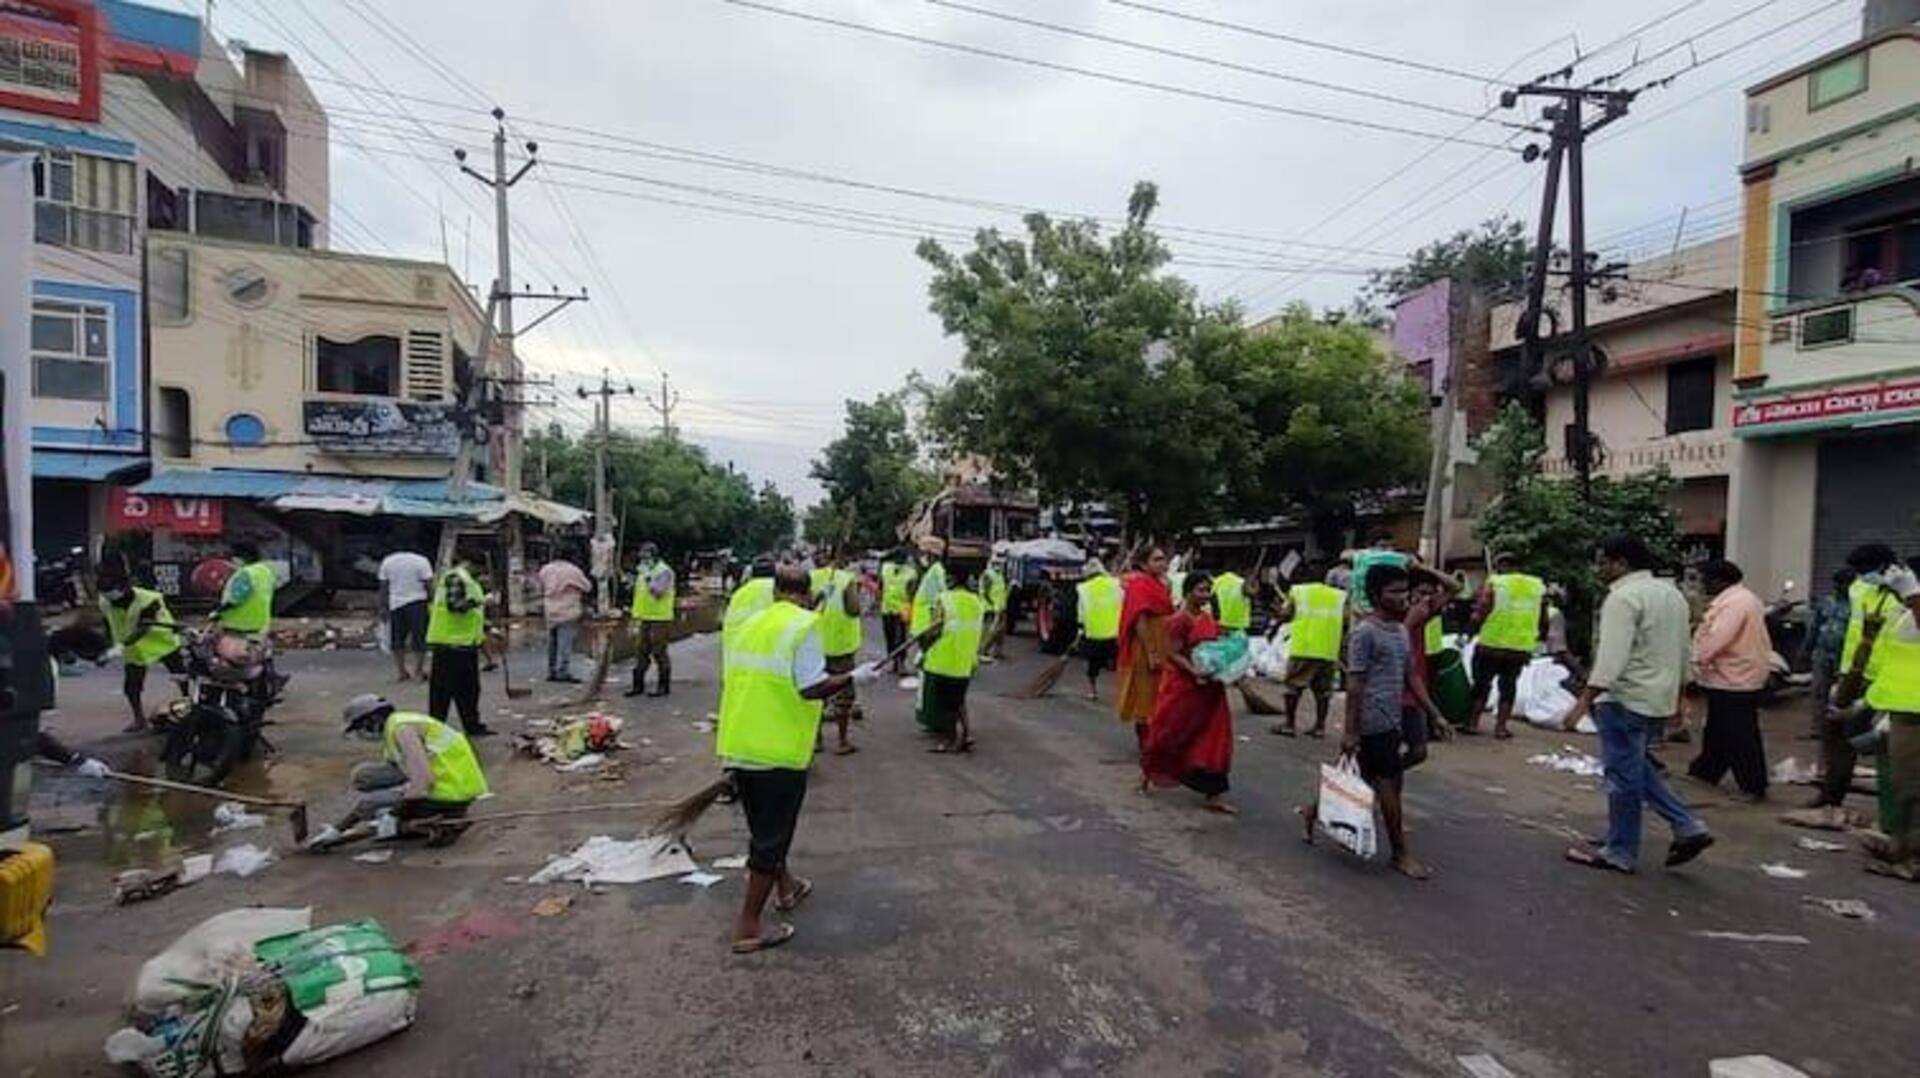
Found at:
[1632, 690]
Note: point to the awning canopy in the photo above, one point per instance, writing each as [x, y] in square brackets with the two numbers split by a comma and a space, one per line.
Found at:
[91, 467]
[426, 499]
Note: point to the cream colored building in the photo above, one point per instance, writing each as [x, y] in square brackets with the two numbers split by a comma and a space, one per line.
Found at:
[1827, 404]
[1664, 396]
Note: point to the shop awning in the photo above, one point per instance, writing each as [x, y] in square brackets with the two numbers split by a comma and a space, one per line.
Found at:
[426, 499]
[83, 466]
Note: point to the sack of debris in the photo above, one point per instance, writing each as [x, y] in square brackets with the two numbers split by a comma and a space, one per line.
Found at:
[249, 991]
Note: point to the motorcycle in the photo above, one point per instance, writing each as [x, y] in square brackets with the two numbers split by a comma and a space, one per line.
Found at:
[58, 582]
[216, 725]
[1790, 669]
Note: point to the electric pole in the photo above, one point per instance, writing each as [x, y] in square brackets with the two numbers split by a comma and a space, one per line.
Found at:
[603, 552]
[664, 406]
[1568, 139]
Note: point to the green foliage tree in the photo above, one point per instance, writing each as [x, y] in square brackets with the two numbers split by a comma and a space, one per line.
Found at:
[1491, 259]
[1078, 376]
[1545, 524]
[670, 492]
[872, 475]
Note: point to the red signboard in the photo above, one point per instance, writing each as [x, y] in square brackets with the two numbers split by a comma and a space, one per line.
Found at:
[127, 511]
[54, 46]
[1828, 404]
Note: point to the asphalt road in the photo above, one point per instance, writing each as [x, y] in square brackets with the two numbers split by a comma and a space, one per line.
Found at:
[1022, 911]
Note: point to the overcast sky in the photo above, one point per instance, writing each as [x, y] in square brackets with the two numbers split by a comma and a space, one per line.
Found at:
[765, 326]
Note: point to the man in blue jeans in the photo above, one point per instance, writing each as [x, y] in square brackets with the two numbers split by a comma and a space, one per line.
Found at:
[1639, 664]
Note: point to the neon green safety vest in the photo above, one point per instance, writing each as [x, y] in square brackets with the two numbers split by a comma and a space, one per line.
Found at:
[839, 630]
[993, 588]
[819, 580]
[763, 718]
[1897, 688]
[747, 600]
[461, 629]
[646, 605]
[1236, 610]
[1514, 622]
[155, 643]
[1864, 599]
[254, 613]
[1100, 607]
[932, 583]
[957, 651]
[457, 778]
[1319, 620]
[1436, 636]
[896, 584]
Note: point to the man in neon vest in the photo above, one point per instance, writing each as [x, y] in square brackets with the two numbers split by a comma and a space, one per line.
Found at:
[653, 608]
[427, 769]
[1870, 604]
[142, 627]
[246, 603]
[751, 597]
[926, 597]
[1098, 599]
[769, 719]
[1318, 614]
[994, 591]
[1510, 616]
[837, 598]
[1895, 693]
[1232, 605]
[950, 652]
[897, 577]
[456, 628]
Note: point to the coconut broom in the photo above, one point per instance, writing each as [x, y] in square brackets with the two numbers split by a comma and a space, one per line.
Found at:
[1049, 675]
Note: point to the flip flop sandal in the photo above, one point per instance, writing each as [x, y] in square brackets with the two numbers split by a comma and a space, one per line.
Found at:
[767, 941]
[1581, 855]
[799, 896]
[1503, 735]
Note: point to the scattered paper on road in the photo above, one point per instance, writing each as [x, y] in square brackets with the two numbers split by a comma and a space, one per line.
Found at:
[702, 880]
[1484, 1066]
[1783, 872]
[552, 905]
[1752, 1067]
[1791, 772]
[1755, 937]
[374, 857]
[1570, 760]
[1820, 845]
[243, 860]
[738, 860]
[1853, 909]
[233, 816]
[601, 859]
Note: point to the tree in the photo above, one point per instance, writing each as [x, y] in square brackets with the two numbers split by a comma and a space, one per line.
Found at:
[1544, 523]
[1332, 419]
[1491, 260]
[872, 476]
[1078, 375]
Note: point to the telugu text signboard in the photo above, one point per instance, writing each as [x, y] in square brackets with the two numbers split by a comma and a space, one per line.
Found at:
[1831, 406]
[127, 511]
[381, 428]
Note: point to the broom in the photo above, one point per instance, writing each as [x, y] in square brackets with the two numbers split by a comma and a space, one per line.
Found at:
[1049, 675]
[596, 684]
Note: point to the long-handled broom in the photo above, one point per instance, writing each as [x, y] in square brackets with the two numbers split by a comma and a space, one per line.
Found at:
[1049, 675]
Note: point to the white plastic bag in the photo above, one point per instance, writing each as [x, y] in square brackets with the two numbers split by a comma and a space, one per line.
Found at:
[1346, 807]
[217, 947]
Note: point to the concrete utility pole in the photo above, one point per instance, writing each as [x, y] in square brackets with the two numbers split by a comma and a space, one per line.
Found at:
[664, 406]
[1569, 136]
[513, 440]
[603, 542]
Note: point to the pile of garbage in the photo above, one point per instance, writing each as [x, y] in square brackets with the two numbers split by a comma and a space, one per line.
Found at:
[572, 743]
[249, 991]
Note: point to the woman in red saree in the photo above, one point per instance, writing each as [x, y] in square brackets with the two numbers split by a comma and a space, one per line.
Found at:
[1145, 606]
[1190, 740]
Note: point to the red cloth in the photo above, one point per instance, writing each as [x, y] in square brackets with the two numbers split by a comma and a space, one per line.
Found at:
[1192, 728]
[1144, 594]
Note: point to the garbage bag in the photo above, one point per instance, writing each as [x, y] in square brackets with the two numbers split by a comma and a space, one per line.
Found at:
[1225, 660]
[1346, 807]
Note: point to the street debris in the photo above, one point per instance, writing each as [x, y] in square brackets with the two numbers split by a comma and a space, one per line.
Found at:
[601, 859]
[243, 860]
[1570, 760]
[1752, 1067]
[233, 816]
[374, 857]
[1755, 937]
[1783, 872]
[552, 905]
[141, 884]
[738, 860]
[572, 742]
[195, 868]
[282, 995]
[1791, 772]
[1820, 845]
[702, 880]
[1853, 909]
[704, 726]
[1483, 1066]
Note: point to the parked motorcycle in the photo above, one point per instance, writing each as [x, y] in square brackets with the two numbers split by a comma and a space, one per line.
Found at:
[58, 583]
[216, 725]
[1790, 665]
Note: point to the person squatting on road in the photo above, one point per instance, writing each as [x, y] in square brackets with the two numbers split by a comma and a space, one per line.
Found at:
[770, 704]
[950, 652]
[653, 607]
[1632, 691]
[1382, 733]
[1190, 738]
[426, 769]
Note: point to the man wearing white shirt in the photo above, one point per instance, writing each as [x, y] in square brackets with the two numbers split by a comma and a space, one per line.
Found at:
[406, 580]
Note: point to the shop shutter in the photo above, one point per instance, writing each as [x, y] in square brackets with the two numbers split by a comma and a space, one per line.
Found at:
[1867, 494]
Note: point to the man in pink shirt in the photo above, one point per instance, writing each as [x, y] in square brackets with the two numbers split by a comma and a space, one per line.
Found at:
[563, 592]
[1732, 657]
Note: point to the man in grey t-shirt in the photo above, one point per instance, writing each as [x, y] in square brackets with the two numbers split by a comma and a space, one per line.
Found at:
[1380, 677]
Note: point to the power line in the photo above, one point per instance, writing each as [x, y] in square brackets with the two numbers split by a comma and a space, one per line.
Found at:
[1104, 76]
